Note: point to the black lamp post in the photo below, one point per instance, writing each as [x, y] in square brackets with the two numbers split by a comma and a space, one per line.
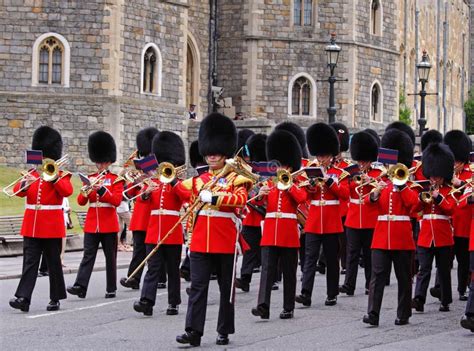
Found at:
[423, 68]
[332, 51]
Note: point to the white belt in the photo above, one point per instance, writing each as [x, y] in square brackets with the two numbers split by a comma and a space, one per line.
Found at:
[44, 207]
[215, 213]
[280, 215]
[393, 218]
[100, 204]
[164, 212]
[324, 202]
[356, 201]
[435, 216]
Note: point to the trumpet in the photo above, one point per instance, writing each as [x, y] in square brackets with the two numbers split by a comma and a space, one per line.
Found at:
[49, 172]
[86, 189]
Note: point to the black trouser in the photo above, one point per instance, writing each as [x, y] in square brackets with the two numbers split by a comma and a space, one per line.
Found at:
[202, 265]
[166, 259]
[139, 253]
[358, 239]
[330, 244]
[381, 267]
[43, 268]
[461, 252]
[470, 301]
[302, 250]
[443, 262]
[186, 265]
[342, 245]
[415, 227]
[51, 251]
[91, 245]
[251, 259]
[288, 257]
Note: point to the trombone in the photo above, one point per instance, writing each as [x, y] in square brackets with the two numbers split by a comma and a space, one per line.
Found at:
[129, 173]
[86, 189]
[236, 165]
[285, 179]
[49, 172]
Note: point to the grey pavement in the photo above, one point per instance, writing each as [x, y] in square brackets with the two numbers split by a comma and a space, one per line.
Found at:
[96, 323]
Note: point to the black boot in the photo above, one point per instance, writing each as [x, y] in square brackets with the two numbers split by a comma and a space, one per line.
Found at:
[185, 274]
[435, 292]
[468, 322]
[242, 284]
[418, 304]
[77, 290]
[401, 321]
[463, 296]
[371, 319]
[132, 283]
[303, 299]
[222, 339]
[192, 338]
[110, 295]
[20, 303]
[143, 306]
[261, 311]
[53, 306]
[444, 308]
[172, 310]
[161, 285]
[345, 290]
[331, 301]
[286, 314]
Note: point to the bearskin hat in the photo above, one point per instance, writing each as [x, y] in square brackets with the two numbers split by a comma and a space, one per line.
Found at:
[298, 132]
[242, 137]
[195, 157]
[343, 135]
[397, 140]
[101, 147]
[217, 136]
[257, 147]
[169, 147]
[460, 144]
[364, 147]
[144, 138]
[282, 146]
[374, 134]
[429, 137]
[438, 161]
[322, 140]
[49, 141]
[404, 128]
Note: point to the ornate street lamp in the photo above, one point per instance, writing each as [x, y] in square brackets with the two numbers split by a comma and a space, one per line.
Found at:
[332, 52]
[423, 69]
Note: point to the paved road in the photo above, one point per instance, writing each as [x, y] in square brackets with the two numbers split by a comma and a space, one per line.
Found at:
[100, 324]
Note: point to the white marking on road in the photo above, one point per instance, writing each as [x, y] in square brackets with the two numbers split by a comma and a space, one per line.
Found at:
[85, 307]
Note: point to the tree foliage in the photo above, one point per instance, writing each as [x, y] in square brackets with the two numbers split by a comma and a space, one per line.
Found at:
[404, 114]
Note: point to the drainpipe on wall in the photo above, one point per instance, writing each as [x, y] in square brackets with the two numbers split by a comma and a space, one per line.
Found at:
[212, 75]
[415, 82]
[405, 25]
[438, 54]
[445, 65]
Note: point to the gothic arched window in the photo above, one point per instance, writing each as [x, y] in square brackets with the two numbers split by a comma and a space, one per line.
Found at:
[376, 17]
[301, 97]
[50, 61]
[303, 12]
[376, 100]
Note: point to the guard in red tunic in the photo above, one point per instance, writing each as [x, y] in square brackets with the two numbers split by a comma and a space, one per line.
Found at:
[254, 215]
[303, 209]
[436, 234]
[467, 320]
[216, 229]
[101, 225]
[324, 223]
[393, 239]
[341, 163]
[165, 204]
[361, 216]
[460, 144]
[140, 215]
[280, 240]
[197, 162]
[43, 224]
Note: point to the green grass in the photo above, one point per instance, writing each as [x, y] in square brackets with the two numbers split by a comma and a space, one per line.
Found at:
[16, 205]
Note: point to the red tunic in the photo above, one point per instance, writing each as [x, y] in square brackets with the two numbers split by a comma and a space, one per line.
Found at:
[393, 229]
[280, 227]
[362, 214]
[44, 216]
[344, 203]
[466, 205]
[462, 216]
[102, 215]
[324, 213]
[253, 218]
[165, 204]
[215, 225]
[435, 226]
[141, 210]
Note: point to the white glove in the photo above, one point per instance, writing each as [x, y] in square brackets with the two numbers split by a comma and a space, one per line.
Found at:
[205, 196]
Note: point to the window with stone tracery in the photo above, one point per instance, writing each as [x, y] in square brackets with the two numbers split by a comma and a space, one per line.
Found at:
[51, 56]
[301, 97]
[150, 71]
[303, 12]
